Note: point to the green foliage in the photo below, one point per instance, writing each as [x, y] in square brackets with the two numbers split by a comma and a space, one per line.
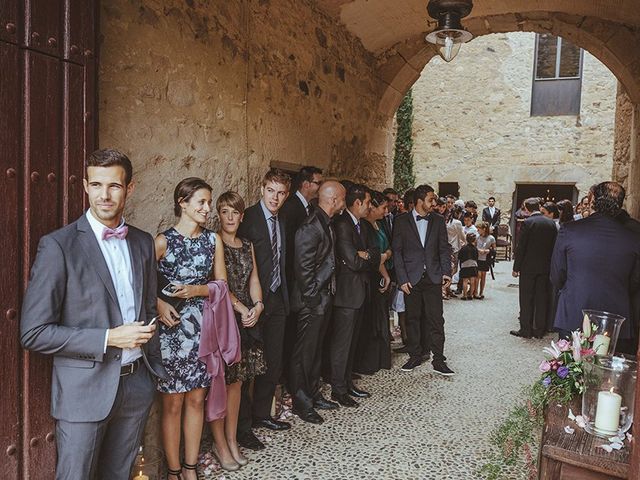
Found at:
[515, 441]
[403, 177]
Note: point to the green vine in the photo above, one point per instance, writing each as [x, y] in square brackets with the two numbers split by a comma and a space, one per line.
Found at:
[403, 177]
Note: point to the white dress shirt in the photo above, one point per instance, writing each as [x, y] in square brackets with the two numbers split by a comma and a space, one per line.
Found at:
[422, 226]
[492, 211]
[303, 200]
[116, 256]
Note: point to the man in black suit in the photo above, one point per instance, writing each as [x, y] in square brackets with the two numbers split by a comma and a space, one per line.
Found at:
[532, 264]
[293, 213]
[311, 299]
[392, 205]
[356, 257]
[491, 215]
[262, 226]
[422, 261]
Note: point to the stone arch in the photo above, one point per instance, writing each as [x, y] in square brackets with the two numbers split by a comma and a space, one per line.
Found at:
[400, 67]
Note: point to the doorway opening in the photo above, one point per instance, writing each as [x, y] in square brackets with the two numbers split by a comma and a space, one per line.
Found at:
[448, 188]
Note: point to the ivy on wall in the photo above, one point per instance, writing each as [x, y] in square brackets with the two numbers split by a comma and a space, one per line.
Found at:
[403, 177]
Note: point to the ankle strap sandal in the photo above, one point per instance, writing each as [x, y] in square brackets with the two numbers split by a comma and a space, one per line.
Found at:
[175, 473]
[186, 466]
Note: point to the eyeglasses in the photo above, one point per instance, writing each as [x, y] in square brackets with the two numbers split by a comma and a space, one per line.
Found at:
[316, 182]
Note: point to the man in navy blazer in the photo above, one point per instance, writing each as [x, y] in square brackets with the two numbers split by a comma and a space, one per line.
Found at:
[596, 263]
[422, 262]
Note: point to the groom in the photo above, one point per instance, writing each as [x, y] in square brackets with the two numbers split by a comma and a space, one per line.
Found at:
[90, 298]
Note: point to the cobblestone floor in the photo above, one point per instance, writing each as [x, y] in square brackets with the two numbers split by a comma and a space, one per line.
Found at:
[417, 425]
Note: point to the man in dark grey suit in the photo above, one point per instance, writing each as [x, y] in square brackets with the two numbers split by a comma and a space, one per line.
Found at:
[311, 299]
[89, 302]
[422, 261]
[532, 264]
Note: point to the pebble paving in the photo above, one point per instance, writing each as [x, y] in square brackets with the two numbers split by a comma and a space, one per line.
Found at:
[417, 425]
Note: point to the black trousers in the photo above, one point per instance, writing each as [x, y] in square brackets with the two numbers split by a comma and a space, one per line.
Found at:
[304, 377]
[535, 292]
[344, 338]
[425, 320]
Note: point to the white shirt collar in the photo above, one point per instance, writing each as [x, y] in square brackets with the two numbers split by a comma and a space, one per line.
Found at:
[97, 226]
[415, 214]
[265, 211]
[353, 218]
[302, 199]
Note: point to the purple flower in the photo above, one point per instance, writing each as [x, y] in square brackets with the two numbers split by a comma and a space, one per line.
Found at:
[545, 366]
[546, 381]
[563, 372]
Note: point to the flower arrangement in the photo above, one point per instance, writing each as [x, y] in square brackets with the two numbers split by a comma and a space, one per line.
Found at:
[516, 440]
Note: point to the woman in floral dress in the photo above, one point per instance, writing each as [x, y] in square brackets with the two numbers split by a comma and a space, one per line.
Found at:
[188, 256]
[246, 297]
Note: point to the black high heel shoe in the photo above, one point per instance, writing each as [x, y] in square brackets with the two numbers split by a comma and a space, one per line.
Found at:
[175, 473]
[186, 466]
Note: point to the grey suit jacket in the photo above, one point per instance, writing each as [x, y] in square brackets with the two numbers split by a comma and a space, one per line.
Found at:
[69, 304]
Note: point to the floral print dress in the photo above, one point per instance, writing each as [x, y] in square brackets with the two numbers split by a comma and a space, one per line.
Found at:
[187, 261]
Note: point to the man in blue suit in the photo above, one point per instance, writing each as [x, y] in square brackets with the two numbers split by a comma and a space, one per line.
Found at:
[596, 263]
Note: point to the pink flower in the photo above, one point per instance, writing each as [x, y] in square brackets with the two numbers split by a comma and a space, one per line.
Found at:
[563, 345]
[545, 366]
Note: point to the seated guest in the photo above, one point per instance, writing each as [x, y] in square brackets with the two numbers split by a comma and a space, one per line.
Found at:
[374, 345]
[356, 256]
[246, 298]
[187, 254]
[468, 257]
[486, 246]
[588, 280]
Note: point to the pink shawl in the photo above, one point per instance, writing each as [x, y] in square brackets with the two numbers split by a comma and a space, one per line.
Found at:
[219, 345]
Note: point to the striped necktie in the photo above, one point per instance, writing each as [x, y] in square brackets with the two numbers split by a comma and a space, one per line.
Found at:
[275, 255]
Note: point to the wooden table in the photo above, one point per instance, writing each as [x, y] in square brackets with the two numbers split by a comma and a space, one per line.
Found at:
[578, 456]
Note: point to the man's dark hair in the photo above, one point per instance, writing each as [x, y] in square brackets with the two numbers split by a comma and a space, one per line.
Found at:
[565, 207]
[278, 176]
[422, 191]
[377, 198]
[552, 208]
[389, 191]
[492, 198]
[450, 195]
[347, 184]
[409, 197]
[356, 192]
[470, 204]
[306, 175]
[108, 157]
[532, 204]
[608, 198]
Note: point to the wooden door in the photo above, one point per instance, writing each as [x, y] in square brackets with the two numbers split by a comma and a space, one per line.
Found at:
[47, 127]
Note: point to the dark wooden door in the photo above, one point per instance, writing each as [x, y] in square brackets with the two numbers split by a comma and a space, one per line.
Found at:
[47, 127]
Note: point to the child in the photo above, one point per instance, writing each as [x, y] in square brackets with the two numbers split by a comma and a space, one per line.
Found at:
[468, 257]
[485, 244]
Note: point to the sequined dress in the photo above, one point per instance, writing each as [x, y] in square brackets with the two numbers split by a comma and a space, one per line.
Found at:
[239, 263]
[187, 261]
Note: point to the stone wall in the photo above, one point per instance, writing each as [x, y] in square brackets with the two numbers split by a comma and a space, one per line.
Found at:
[472, 123]
[221, 90]
[622, 140]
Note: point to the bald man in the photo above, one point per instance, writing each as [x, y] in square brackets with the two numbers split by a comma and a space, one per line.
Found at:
[312, 298]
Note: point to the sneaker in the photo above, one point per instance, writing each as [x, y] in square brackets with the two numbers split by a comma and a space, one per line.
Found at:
[442, 369]
[411, 364]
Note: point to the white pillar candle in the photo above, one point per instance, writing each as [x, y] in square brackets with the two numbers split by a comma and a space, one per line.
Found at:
[608, 411]
[601, 344]
[141, 477]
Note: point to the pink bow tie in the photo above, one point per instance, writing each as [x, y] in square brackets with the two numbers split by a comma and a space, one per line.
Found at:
[120, 233]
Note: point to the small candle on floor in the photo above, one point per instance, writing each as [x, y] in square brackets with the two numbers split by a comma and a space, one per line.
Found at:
[608, 411]
[141, 477]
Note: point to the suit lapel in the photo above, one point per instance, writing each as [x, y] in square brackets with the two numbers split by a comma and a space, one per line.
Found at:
[414, 227]
[94, 256]
[429, 229]
[136, 265]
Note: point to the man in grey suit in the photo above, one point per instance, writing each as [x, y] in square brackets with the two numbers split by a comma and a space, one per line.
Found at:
[422, 261]
[89, 303]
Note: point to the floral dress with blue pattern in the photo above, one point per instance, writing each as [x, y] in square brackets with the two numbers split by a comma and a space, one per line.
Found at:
[187, 261]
